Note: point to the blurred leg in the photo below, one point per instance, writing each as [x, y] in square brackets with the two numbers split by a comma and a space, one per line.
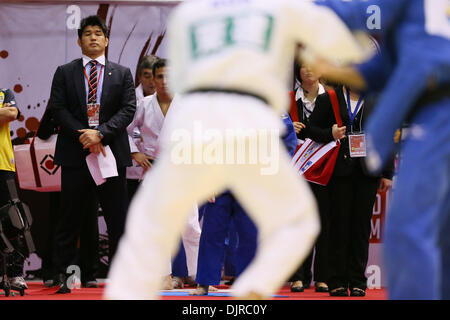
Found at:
[216, 222]
[411, 252]
[155, 221]
[296, 224]
[248, 238]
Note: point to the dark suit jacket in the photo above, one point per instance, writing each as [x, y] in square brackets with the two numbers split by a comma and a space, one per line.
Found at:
[321, 121]
[68, 104]
[305, 132]
[47, 126]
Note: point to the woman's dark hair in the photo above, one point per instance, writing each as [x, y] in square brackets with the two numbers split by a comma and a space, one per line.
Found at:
[92, 21]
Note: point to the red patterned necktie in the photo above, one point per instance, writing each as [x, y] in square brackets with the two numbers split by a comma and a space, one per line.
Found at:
[92, 95]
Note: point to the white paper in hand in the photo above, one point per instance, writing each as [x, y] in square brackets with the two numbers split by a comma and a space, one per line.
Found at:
[108, 166]
[102, 167]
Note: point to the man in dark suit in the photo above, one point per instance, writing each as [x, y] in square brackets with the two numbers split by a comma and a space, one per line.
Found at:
[93, 101]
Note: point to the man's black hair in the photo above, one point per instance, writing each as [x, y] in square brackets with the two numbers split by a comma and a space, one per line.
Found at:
[160, 63]
[92, 21]
[147, 62]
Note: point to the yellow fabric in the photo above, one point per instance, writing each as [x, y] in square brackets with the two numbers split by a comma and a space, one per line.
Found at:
[6, 150]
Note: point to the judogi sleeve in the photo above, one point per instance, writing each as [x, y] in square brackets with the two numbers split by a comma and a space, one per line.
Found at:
[356, 13]
[376, 71]
[137, 122]
[290, 137]
[322, 31]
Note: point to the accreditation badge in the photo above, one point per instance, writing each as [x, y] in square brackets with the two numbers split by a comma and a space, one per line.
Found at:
[93, 112]
[357, 145]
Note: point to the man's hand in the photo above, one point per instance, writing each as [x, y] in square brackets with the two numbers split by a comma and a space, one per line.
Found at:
[142, 159]
[385, 185]
[298, 126]
[97, 148]
[89, 137]
[338, 132]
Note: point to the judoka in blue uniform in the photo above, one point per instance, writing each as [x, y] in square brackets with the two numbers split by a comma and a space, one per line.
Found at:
[222, 220]
[413, 76]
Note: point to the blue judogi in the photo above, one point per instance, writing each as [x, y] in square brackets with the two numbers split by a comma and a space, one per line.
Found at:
[226, 219]
[216, 228]
[413, 74]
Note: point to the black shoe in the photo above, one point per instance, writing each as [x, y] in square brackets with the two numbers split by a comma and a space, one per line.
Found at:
[61, 281]
[320, 286]
[357, 292]
[230, 282]
[90, 284]
[307, 285]
[321, 289]
[48, 283]
[339, 292]
[297, 286]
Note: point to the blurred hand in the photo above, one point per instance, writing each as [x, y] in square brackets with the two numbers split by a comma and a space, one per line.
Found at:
[397, 136]
[212, 199]
[385, 185]
[298, 126]
[142, 159]
[338, 132]
[319, 66]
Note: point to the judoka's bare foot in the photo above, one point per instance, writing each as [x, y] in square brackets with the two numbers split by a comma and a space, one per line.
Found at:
[202, 290]
[167, 283]
[252, 295]
[177, 283]
[213, 289]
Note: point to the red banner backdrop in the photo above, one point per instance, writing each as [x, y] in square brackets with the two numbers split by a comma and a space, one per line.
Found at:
[379, 213]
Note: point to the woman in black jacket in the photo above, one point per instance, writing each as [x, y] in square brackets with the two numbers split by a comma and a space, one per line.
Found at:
[352, 191]
[305, 95]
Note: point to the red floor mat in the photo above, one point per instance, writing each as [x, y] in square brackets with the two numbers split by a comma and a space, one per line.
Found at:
[37, 291]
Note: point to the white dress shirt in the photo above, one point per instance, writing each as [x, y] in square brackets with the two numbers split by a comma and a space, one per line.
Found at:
[308, 106]
[100, 73]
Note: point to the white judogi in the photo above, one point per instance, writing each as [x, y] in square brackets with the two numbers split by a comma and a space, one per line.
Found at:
[235, 45]
[139, 92]
[135, 171]
[149, 121]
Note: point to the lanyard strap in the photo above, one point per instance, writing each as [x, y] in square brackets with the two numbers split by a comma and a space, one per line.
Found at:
[98, 77]
[352, 115]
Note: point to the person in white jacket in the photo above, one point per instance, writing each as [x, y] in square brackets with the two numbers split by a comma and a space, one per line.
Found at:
[145, 88]
[149, 121]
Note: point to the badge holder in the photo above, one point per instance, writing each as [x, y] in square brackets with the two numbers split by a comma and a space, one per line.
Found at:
[356, 140]
[93, 112]
[357, 144]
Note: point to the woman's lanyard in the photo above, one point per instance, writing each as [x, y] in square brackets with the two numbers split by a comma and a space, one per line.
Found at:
[352, 115]
[98, 79]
